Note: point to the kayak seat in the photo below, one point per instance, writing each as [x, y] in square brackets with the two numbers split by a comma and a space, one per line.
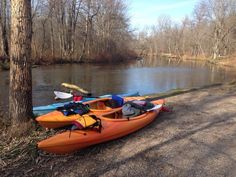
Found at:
[114, 115]
[98, 105]
[101, 105]
[135, 108]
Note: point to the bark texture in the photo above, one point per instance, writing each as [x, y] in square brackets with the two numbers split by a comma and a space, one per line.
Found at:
[20, 97]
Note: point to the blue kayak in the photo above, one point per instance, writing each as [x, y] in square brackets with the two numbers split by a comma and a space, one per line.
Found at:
[40, 110]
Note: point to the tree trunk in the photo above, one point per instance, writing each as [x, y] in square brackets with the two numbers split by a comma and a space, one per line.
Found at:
[52, 39]
[81, 58]
[20, 92]
[4, 28]
[86, 34]
[216, 46]
[42, 51]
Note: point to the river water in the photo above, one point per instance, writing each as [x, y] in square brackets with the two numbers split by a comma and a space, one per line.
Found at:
[146, 76]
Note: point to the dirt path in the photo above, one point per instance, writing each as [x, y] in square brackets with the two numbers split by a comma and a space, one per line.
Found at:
[197, 139]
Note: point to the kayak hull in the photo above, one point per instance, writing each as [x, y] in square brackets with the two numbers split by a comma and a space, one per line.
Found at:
[56, 119]
[71, 141]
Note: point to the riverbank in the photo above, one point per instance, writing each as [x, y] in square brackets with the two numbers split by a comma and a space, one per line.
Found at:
[225, 62]
[222, 61]
[102, 58]
[196, 139]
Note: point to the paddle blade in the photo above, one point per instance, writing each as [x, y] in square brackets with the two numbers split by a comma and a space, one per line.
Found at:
[62, 95]
[75, 87]
[159, 106]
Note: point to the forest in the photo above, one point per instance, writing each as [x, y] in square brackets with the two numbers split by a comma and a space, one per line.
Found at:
[210, 33]
[92, 30]
[73, 30]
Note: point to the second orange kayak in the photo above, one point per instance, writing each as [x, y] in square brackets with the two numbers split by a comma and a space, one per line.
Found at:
[57, 119]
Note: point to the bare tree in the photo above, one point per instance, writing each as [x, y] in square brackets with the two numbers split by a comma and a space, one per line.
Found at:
[219, 12]
[75, 30]
[209, 34]
[20, 93]
[91, 10]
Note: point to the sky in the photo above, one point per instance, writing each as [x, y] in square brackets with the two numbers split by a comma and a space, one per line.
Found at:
[145, 13]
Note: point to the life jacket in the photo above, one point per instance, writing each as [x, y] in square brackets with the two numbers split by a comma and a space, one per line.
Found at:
[74, 108]
[87, 122]
[135, 108]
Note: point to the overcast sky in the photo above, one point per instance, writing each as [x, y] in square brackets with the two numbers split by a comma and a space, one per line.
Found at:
[146, 12]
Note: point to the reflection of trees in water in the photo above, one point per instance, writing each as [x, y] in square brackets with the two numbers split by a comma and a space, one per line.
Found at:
[153, 61]
[98, 79]
[187, 73]
[150, 75]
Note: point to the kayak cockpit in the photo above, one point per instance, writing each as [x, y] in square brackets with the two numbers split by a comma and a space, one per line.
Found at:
[114, 115]
[99, 105]
[119, 116]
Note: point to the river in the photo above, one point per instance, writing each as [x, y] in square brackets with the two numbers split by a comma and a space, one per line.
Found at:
[146, 76]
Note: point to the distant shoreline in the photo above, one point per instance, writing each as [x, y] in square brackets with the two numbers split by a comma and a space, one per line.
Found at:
[223, 61]
[6, 66]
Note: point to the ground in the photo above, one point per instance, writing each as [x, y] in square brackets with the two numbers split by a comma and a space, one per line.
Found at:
[198, 138]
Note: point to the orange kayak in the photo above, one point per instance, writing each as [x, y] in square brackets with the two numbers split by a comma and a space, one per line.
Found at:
[114, 125]
[56, 119]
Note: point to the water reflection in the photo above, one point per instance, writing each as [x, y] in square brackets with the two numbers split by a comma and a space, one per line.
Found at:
[146, 76]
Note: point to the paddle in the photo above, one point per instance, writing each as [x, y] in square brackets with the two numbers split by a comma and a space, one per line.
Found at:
[65, 95]
[75, 87]
[155, 107]
[62, 95]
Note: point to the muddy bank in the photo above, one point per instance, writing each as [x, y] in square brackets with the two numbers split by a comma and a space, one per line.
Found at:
[196, 139]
